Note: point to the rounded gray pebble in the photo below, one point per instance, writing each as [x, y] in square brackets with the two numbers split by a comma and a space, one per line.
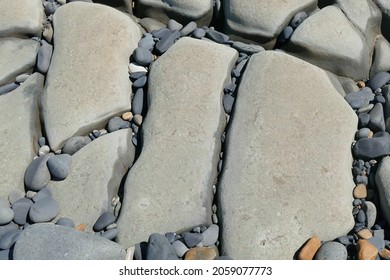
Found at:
[174, 25]
[188, 29]
[228, 102]
[159, 248]
[44, 210]
[37, 175]
[192, 239]
[210, 235]
[331, 251]
[73, 144]
[66, 222]
[362, 133]
[44, 57]
[110, 234]
[21, 208]
[42, 194]
[117, 123]
[143, 56]
[180, 248]
[8, 227]
[6, 214]
[42, 141]
[59, 166]
[104, 220]
[9, 239]
[298, 19]
[371, 213]
[199, 33]
[138, 102]
[286, 34]
[141, 82]
[170, 236]
[147, 42]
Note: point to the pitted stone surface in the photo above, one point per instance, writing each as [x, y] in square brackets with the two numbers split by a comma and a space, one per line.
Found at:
[286, 176]
[262, 20]
[339, 48]
[183, 11]
[17, 56]
[76, 76]
[94, 178]
[21, 18]
[180, 148]
[19, 133]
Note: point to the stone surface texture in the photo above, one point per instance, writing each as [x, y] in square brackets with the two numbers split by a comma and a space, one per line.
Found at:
[382, 179]
[381, 59]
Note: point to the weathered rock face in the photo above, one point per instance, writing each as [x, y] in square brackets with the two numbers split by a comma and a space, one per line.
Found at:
[183, 11]
[180, 148]
[21, 18]
[381, 61]
[19, 133]
[382, 179]
[262, 20]
[94, 178]
[340, 48]
[92, 69]
[287, 174]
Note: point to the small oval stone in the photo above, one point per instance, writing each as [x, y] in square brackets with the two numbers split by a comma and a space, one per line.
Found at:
[360, 191]
[134, 67]
[9, 239]
[73, 144]
[192, 239]
[44, 210]
[331, 251]
[66, 222]
[127, 116]
[199, 33]
[142, 56]
[117, 123]
[104, 220]
[6, 214]
[141, 82]
[42, 194]
[37, 175]
[210, 235]
[364, 234]
[138, 102]
[110, 234]
[21, 208]
[59, 166]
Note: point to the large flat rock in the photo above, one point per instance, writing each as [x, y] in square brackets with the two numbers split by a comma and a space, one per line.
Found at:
[169, 188]
[262, 20]
[53, 242]
[88, 80]
[17, 56]
[329, 40]
[94, 178]
[21, 18]
[20, 130]
[287, 174]
[184, 11]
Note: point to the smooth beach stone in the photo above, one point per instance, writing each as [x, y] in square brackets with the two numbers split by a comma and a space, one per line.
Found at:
[228, 102]
[174, 25]
[142, 56]
[159, 248]
[75, 143]
[41, 242]
[162, 33]
[201, 253]
[15, 195]
[382, 179]
[331, 251]
[192, 239]
[110, 234]
[138, 102]
[165, 43]
[6, 214]
[298, 19]
[151, 24]
[180, 248]
[285, 34]
[359, 99]
[147, 42]
[137, 75]
[44, 56]
[21, 208]
[141, 82]
[59, 166]
[188, 29]
[217, 36]
[379, 80]
[134, 67]
[372, 148]
[66, 222]
[37, 174]
[44, 210]
[117, 123]
[8, 227]
[210, 235]
[107, 87]
[8, 239]
[42, 194]
[247, 48]
[364, 119]
[362, 133]
[105, 219]
[199, 33]
[377, 118]
[371, 213]
[309, 249]
[8, 88]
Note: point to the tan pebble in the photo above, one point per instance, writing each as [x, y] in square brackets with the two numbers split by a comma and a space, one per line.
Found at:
[364, 234]
[130, 253]
[81, 227]
[201, 253]
[385, 254]
[137, 119]
[360, 191]
[309, 249]
[361, 84]
[365, 250]
[127, 116]
[370, 134]
[48, 33]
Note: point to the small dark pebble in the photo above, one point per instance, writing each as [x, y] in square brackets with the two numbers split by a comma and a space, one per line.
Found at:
[285, 34]
[110, 234]
[361, 216]
[104, 220]
[161, 33]
[170, 236]
[136, 75]
[138, 102]
[139, 83]
[192, 239]
[199, 33]
[298, 19]
[228, 102]
[217, 36]
[364, 119]
[166, 42]
[65, 222]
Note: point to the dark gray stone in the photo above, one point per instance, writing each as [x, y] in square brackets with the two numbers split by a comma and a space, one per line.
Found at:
[378, 242]
[343, 240]
[247, 48]
[9, 239]
[361, 179]
[380, 99]
[8, 88]
[188, 29]
[59, 166]
[331, 251]
[142, 56]
[361, 217]
[73, 144]
[8, 227]
[379, 80]
[192, 239]
[159, 248]
[174, 25]
[356, 202]
[166, 42]
[228, 102]
[359, 99]
[364, 119]
[136, 75]
[199, 33]
[286, 34]
[50, 8]
[223, 258]
[140, 250]
[6, 213]
[44, 57]
[371, 213]
[170, 236]
[377, 119]
[210, 235]
[21, 208]
[41, 141]
[66, 222]
[141, 82]
[44, 210]
[147, 42]
[298, 19]
[161, 33]
[362, 133]
[41, 242]
[42, 194]
[237, 71]
[373, 148]
[117, 123]
[105, 219]
[138, 102]
[110, 234]
[217, 36]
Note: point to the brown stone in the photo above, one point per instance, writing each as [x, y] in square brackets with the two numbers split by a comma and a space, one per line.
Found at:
[361, 84]
[309, 249]
[365, 250]
[127, 116]
[385, 254]
[201, 253]
[360, 191]
[364, 234]
[80, 227]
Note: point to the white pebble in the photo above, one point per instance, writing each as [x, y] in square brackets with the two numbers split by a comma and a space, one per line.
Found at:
[134, 67]
[44, 150]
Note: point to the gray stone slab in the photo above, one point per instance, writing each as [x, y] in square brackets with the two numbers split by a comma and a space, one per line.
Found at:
[54, 242]
[17, 56]
[381, 60]
[330, 41]
[21, 18]
[93, 94]
[261, 20]
[181, 142]
[183, 11]
[19, 132]
[286, 175]
[94, 178]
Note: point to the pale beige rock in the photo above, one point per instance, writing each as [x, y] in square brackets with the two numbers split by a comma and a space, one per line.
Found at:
[181, 142]
[286, 164]
[88, 81]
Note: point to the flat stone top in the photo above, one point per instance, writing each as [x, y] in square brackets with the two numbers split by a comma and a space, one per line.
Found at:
[287, 172]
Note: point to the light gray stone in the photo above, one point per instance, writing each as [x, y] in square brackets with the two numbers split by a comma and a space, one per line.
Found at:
[55, 242]
[371, 214]
[381, 60]
[210, 235]
[19, 133]
[151, 24]
[276, 206]
[17, 56]
[181, 142]
[262, 20]
[94, 178]
[183, 11]
[112, 36]
[331, 251]
[382, 180]
[21, 18]
[6, 213]
[43, 210]
[339, 48]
